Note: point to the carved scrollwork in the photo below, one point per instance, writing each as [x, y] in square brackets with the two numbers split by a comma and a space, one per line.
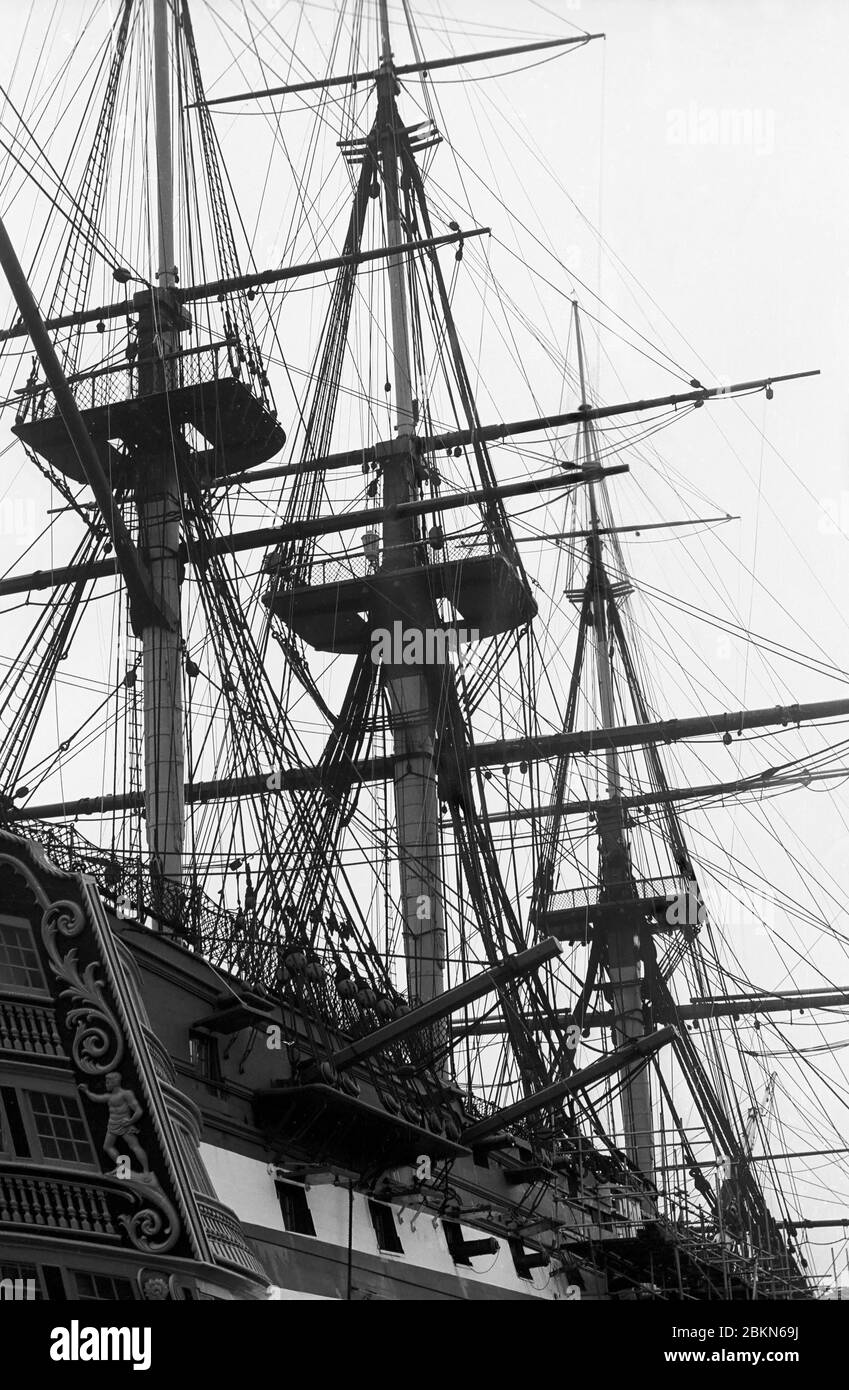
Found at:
[98, 1044]
[155, 1228]
[153, 1225]
[64, 917]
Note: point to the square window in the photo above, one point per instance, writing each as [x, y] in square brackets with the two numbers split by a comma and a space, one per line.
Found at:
[102, 1288]
[13, 1134]
[20, 968]
[294, 1208]
[59, 1127]
[385, 1227]
[203, 1051]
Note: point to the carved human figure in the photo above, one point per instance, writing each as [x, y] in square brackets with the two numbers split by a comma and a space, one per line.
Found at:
[124, 1110]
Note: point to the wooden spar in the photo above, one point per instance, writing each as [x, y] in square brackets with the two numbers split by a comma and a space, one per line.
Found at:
[292, 272]
[762, 781]
[697, 1009]
[351, 521]
[579, 1080]
[802, 996]
[446, 1003]
[752, 1158]
[352, 79]
[587, 741]
[503, 751]
[190, 294]
[493, 434]
[800, 1225]
[636, 528]
[263, 538]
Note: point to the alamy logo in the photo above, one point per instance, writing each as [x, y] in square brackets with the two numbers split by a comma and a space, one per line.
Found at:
[18, 518]
[687, 909]
[755, 913]
[76, 1343]
[725, 127]
[17, 1290]
[413, 646]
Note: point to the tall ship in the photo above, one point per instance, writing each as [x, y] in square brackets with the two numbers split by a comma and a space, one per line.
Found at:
[383, 884]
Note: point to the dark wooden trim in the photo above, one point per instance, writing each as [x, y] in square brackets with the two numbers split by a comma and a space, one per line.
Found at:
[306, 1264]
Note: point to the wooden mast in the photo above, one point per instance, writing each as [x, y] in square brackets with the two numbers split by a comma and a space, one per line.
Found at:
[159, 507]
[416, 807]
[622, 946]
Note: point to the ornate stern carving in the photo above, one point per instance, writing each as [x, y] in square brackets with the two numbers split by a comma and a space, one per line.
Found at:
[98, 1044]
[155, 1227]
[124, 1110]
[91, 1028]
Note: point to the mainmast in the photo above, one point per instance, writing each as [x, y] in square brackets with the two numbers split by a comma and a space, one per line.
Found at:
[416, 809]
[159, 507]
[622, 941]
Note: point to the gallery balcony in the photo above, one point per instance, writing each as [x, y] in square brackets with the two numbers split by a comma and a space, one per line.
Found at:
[320, 1123]
[222, 424]
[55, 1208]
[332, 605]
[572, 915]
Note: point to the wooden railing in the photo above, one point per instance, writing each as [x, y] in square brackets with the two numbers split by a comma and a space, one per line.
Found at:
[28, 1028]
[40, 1198]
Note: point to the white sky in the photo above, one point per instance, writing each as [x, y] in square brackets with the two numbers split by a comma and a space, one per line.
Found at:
[706, 142]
